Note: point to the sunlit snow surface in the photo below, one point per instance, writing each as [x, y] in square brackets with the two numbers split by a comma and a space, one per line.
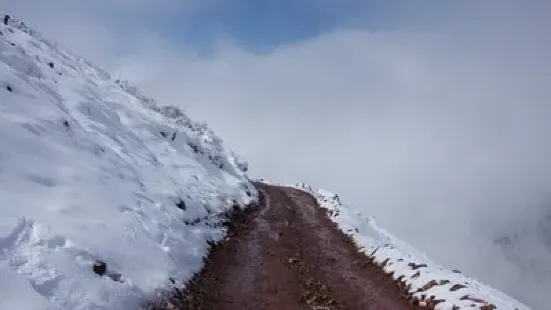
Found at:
[425, 276]
[91, 169]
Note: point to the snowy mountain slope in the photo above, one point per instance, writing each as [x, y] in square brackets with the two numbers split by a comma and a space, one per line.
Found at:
[90, 170]
[422, 277]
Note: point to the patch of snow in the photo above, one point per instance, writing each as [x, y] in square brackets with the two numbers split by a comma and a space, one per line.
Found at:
[423, 278]
[91, 169]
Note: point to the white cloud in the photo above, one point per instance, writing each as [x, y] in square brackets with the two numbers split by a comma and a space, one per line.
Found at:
[446, 144]
[440, 131]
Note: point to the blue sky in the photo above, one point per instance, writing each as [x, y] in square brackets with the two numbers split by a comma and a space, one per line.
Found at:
[264, 25]
[257, 25]
[261, 26]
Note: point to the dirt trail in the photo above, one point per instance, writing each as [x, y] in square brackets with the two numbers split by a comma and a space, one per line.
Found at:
[289, 255]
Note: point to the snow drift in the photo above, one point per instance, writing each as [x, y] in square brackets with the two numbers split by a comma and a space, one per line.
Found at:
[90, 169]
[424, 279]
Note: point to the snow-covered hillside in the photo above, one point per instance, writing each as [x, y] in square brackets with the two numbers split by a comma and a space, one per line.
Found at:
[425, 280]
[91, 170]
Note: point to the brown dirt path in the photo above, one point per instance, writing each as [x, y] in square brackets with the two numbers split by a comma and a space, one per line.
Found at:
[289, 255]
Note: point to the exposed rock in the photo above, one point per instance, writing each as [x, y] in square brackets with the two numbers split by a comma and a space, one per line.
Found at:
[99, 267]
[456, 287]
